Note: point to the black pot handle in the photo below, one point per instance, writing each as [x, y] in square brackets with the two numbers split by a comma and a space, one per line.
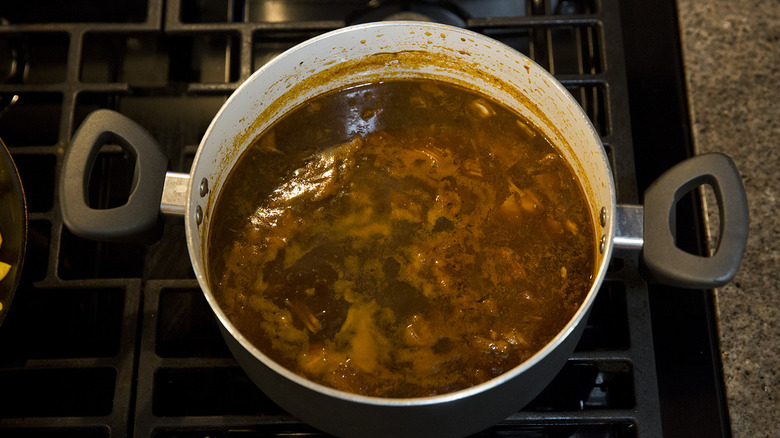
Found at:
[662, 260]
[137, 221]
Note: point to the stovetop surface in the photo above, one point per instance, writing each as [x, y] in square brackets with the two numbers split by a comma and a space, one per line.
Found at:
[110, 340]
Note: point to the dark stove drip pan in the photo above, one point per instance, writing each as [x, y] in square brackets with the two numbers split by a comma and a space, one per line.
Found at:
[110, 340]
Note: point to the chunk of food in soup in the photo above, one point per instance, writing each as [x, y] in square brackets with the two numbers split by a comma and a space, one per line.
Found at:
[401, 239]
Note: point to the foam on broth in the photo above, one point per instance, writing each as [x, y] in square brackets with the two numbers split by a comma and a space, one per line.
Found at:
[401, 239]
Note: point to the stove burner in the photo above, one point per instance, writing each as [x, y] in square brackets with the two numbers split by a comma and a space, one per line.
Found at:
[440, 11]
[412, 16]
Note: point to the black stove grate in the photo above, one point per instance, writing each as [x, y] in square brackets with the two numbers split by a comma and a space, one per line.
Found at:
[111, 340]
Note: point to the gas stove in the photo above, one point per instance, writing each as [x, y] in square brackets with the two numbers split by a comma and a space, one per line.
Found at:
[116, 340]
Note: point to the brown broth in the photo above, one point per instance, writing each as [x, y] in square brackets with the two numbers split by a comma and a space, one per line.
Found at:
[401, 239]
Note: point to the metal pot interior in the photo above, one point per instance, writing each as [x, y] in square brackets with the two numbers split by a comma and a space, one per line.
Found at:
[373, 52]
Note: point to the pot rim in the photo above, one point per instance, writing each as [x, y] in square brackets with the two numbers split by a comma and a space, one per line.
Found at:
[608, 231]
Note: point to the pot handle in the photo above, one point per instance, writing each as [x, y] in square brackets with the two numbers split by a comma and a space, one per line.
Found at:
[137, 221]
[662, 260]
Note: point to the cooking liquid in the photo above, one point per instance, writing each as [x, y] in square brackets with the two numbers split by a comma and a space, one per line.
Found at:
[401, 239]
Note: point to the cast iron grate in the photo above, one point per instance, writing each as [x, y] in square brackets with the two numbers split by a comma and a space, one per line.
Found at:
[110, 340]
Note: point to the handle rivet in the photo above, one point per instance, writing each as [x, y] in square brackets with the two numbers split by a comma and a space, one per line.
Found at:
[198, 215]
[204, 187]
[603, 244]
[603, 216]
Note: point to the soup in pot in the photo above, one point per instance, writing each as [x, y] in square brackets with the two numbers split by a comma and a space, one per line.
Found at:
[401, 239]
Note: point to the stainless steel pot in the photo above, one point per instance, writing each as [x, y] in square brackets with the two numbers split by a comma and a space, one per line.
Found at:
[374, 52]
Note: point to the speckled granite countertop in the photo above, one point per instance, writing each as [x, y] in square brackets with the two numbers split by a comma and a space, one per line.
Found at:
[731, 52]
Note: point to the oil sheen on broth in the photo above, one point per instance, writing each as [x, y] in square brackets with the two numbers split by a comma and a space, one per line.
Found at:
[401, 239]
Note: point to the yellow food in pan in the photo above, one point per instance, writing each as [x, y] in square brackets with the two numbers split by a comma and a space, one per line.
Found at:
[4, 268]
